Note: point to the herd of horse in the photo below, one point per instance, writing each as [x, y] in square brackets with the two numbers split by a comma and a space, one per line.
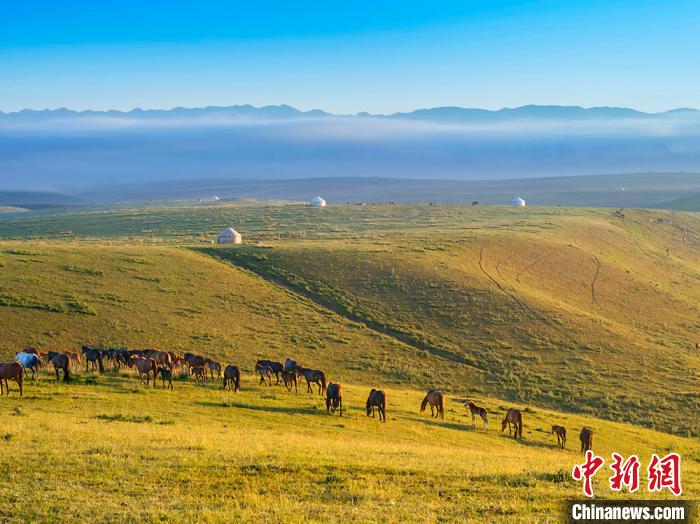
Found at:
[151, 363]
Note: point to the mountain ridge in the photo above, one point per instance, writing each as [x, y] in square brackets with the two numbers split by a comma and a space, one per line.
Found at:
[438, 113]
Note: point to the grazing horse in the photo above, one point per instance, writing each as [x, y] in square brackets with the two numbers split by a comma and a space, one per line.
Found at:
[476, 410]
[313, 376]
[232, 377]
[437, 403]
[276, 367]
[586, 438]
[194, 361]
[290, 379]
[145, 366]
[214, 366]
[561, 435]
[93, 356]
[334, 398]
[200, 375]
[166, 374]
[515, 417]
[28, 361]
[265, 372]
[61, 362]
[376, 399]
[11, 370]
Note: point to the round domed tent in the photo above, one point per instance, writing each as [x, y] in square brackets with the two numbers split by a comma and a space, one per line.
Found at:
[517, 202]
[229, 236]
[318, 202]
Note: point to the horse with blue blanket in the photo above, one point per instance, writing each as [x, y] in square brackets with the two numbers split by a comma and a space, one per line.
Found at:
[28, 361]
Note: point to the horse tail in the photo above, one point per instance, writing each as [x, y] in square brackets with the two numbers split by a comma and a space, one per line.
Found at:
[66, 372]
[323, 382]
[99, 361]
[442, 405]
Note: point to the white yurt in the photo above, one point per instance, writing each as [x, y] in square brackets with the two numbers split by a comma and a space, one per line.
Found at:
[517, 202]
[317, 202]
[229, 236]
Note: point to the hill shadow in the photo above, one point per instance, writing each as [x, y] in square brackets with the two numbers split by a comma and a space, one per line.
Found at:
[253, 407]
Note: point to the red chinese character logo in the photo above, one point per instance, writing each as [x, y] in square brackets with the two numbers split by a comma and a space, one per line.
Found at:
[626, 474]
[665, 473]
[587, 470]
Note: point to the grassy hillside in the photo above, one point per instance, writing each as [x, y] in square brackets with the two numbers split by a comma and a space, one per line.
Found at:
[60, 296]
[593, 313]
[575, 315]
[106, 449]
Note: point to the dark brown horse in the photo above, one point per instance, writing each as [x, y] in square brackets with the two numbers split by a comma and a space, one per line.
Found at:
[560, 431]
[515, 417]
[232, 378]
[476, 410]
[200, 375]
[145, 366]
[334, 398]
[166, 374]
[586, 438]
[93, 356]
[11, 370]
[61, 362]
[437, 403]
[313, 376]
[376, 399]
[290, 379]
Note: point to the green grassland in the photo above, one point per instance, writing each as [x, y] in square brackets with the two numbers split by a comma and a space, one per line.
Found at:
[107, 449]
[581, 316]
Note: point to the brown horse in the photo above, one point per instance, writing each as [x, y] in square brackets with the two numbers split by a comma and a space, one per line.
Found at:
[376, 399]
[62, 362]
[313, 376]
[476, 410]
[334, 398]
[290, 379]
[265, 372]
[586, 438]
[194, 361]
[214, 366]
[437, 403]
[14, 371]
[200, 375]
[561, 435]
[276, 367]
[232, 377]
[515, 417]
[75, 359]
[145, 366]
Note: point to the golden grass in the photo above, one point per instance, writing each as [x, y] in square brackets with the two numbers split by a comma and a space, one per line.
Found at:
[198, 453]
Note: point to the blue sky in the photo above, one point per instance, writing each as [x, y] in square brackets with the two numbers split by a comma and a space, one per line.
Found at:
[349, 56]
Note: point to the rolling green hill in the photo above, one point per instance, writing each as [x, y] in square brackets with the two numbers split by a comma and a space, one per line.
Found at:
[574, 315]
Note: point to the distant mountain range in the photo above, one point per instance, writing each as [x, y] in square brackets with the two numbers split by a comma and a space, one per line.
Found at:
[435, 114]
[74, 151]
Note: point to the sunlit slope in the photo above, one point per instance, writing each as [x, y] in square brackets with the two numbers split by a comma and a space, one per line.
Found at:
[59, 296]
[107, 449]
[594, 313]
